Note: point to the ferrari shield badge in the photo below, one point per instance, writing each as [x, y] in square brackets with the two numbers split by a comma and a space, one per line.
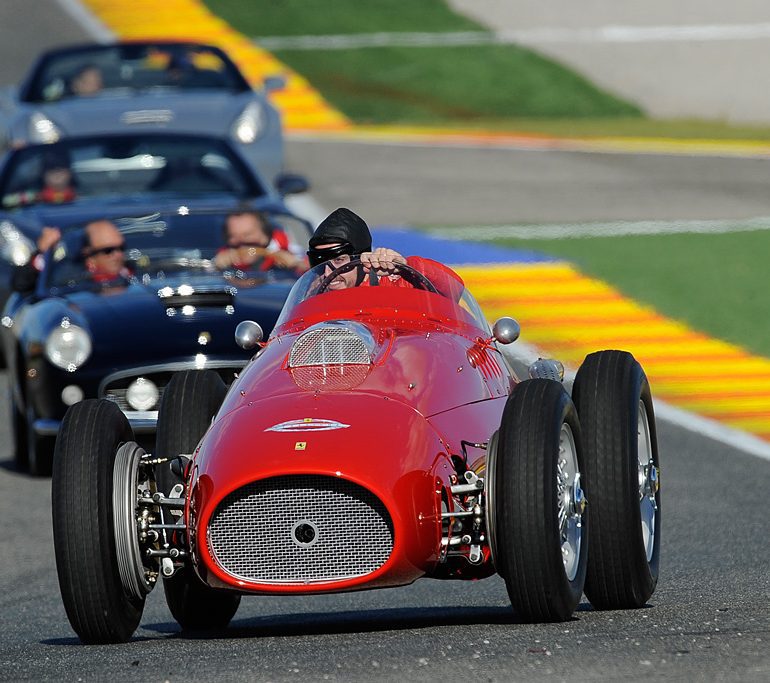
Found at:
[307, 424]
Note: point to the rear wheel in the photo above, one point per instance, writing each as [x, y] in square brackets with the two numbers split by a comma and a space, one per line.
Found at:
[98, 607]
[189, 402]
[613, 399]
[539, 533]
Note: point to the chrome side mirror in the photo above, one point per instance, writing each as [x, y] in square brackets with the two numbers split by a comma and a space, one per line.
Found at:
[506, 330]
[248, 334]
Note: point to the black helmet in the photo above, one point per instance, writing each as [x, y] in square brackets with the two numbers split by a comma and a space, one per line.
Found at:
[342, 227]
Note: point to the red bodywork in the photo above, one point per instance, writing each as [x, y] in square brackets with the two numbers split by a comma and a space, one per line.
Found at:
[434, 382]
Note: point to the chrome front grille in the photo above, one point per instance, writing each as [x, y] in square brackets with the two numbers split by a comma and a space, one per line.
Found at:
[332, 344]
[300, 529]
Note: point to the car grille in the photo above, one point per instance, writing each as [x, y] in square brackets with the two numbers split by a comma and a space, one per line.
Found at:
[329, 344]
[300, 529]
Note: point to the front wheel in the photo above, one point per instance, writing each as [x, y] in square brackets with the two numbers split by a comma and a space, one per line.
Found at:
[613, 399]
[540, 535]
[189, 402]
[97, 606]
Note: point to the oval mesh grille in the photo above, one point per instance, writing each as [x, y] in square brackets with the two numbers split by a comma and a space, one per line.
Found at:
[300, 529]
[329, 345]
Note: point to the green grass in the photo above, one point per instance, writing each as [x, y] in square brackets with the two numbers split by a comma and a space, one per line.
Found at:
[334, 17]
[420, 85]
[450, 85]
[713, 282]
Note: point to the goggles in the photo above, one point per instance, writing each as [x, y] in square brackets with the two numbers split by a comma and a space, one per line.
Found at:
[317, 256]
[107, 250]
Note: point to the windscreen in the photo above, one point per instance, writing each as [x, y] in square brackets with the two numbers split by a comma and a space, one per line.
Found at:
[111, 70]
[119, 166]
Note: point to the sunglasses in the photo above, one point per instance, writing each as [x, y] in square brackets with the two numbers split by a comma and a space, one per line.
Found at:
[318, 256]
[107, 250]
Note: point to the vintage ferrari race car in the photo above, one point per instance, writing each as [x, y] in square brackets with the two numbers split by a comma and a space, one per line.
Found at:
[147, 86]
[377, 437]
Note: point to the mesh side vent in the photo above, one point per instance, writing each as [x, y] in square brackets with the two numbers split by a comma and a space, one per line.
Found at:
[300, 529]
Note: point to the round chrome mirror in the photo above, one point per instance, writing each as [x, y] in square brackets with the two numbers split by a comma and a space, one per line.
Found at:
[248, 334]
[506, 330]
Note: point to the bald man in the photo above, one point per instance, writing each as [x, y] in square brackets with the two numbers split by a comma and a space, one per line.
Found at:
[105, 251]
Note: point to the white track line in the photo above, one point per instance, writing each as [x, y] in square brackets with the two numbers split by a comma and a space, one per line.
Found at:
[552, 35]
[612, 229]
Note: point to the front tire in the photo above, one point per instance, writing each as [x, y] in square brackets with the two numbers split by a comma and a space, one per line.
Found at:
[613, 399]
[189, 402]
[83, 527]
[540, 534]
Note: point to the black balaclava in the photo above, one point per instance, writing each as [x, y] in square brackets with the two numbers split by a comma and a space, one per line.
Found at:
[344, 227]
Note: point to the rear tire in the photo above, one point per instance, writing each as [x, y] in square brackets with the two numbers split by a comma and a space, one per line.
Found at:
[613, 399]
[540, 539]
[83, 528]
[189, 402]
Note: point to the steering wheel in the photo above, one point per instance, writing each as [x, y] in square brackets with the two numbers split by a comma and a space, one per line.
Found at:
[410, 275]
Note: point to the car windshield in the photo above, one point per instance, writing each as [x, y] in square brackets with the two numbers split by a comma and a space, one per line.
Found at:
[116, 166]
[321, 287]
[109, 70]
[156, 248]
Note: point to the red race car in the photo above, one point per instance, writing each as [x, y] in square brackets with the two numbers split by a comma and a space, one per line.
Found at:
[377, 437]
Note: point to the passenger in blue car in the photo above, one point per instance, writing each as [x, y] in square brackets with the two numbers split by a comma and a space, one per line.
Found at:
[103, 254]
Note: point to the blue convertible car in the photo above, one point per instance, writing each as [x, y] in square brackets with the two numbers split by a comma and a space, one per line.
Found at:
[171, 309]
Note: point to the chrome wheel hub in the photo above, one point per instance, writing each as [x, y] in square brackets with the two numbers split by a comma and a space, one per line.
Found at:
[571, 502]
[649, 482]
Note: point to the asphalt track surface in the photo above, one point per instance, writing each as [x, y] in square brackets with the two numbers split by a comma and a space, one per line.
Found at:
[708, 620]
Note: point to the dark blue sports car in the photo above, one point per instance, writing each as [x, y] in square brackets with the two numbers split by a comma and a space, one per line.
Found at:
[169, 309]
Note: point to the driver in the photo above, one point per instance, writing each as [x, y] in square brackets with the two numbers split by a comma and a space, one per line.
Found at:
[343, 235]
[253, 243]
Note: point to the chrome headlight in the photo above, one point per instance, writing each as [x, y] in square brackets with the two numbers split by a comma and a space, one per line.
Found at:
[68, 346]
[249, 124]
[42, 129]
[142, 394]
[15, 247]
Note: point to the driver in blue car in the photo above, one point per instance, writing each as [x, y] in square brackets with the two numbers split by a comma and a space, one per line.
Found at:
[344, 235]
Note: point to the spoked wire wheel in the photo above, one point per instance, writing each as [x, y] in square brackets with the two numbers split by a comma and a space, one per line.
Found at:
[571, 502]
[540, 534]
[649, 483]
